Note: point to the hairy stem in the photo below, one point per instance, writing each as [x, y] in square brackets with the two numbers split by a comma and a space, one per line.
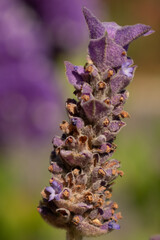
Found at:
[71, 235]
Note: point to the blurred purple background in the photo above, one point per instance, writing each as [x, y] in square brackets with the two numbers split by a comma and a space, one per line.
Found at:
[32, 36]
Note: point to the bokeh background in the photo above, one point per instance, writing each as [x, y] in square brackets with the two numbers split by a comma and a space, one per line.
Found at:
[36, 36]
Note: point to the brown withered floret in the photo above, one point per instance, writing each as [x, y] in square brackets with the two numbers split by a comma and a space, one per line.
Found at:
[69, 140]
[121, 99]
[121, 173]
[76, 220]
[106, 122]
[76, 171]
[66, 194]
[71, 108]
[89, 68]
[85, 97]
[110, 73]
[114, 205]
[101, 85]
[114, 171]
[124, 114]
[50, 168]
[82, 139]
[108, 194]
[107, 101]
[101, 172]
[65, 127]
[88, 198]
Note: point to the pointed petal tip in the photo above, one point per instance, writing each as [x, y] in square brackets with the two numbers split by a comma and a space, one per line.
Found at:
[86, 11]
[151, 31]
[96, 28]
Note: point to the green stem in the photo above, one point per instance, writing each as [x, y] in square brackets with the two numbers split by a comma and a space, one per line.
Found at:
[71, 235]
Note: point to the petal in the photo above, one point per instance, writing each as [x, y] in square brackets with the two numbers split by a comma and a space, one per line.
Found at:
[93, 214]
[74, 78]
[111, 28]
[86, 88]
[127, 70]
[104, 226]
[78, 122]
[96, 50]
[99, 140]
[50, 190]
[117, 110]
[109, 136]
[105, 148]
[57, 186]
[51, 197]
[105, 52]
[120, 99]
[76, 159]
[55, 167]
[127, 34]
[107, 214]
[52, 193]
[115, 54]
[113, 225]
[79, 70]
[95, 109]
[119, 82]
[57, 142]
[115, 126]
[95, 27]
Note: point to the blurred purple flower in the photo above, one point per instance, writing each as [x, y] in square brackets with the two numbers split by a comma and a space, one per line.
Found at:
[54, 190]
[28, 95]
[156, 237]
[64, 21]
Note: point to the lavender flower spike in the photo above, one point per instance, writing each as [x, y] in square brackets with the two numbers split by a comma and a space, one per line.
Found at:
[79, 198]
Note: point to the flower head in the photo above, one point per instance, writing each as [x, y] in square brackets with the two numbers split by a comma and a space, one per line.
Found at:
[82, 164]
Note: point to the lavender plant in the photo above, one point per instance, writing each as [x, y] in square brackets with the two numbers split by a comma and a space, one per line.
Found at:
[79, 196]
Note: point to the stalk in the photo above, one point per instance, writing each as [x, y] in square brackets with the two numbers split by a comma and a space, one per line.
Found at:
[71, 235]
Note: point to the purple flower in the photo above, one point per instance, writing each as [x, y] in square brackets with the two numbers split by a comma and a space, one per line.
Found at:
[127, 69]
[52, 193]
[122, 36]
[113, 225]
[61, 17]
[27, 89]
[54, 190]
[87, 172]
[156, 237]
